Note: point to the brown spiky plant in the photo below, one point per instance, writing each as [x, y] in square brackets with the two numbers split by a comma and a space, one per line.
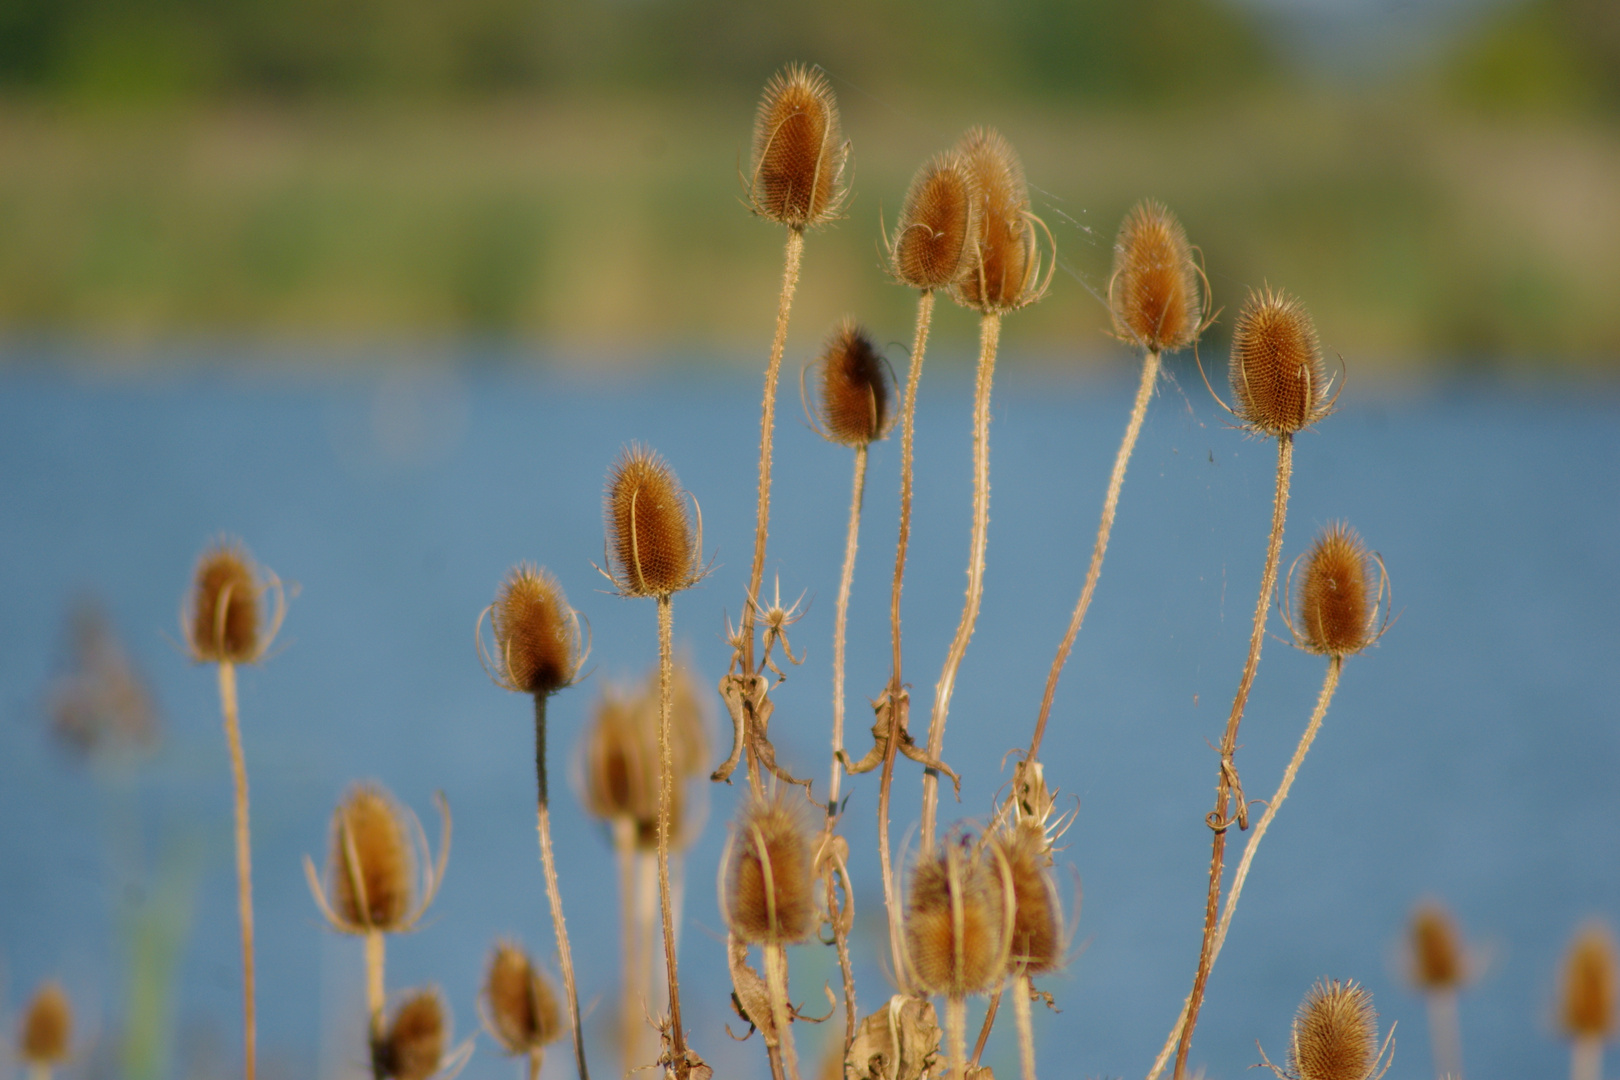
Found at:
[1586, 1009]
[520, 1008]
[537, 651]
[1038, 938]
[1439, 968]
[224, 623]
[45, 1036]
[416, 1043]
[1335, 1036]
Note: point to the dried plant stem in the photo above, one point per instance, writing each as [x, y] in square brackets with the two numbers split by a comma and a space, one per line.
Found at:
[1219, 820]
[244, 861]
[1144, 393]
[956, 1036]
[565, 956]
[1586, 1058]
[984, 1029]
[776, 983]
[634, 981]
[534, 1064]
[840, 621]
[1445, 1034]
[376, 996]
[891, 900]
[841, 940]
[1022, 989]
[666, 793]
[989, 336]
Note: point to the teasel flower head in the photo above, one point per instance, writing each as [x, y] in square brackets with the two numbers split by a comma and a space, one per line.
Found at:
[373, 882]
[1339, 608]
[853, 403]
[1335, 1036]
[767, 883]
[1004, 271]
[413, 1045]
[537, 648]
[619, 762]
[933, 242]
[1439, 959]
[959, 918]
[797, 173]
[223, 620]
[1278, 383]
[1587, 1010]
[646, 831]
[653, 548]
[1038, 939]
[520, 1009]
[46, 1035]
[1153, 293]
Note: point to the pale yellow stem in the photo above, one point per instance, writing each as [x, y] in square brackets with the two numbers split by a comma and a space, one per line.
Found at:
[633, 1003]
[776, 983]
[1026, 1027]
[548, 863]
[1586, 1059]
[956, 1036]
[840, 621]
[376, 995]
[666, 790]
[1445, 1034]
[244, 862]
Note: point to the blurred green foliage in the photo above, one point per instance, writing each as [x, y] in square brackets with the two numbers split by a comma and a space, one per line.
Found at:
[1558, 55]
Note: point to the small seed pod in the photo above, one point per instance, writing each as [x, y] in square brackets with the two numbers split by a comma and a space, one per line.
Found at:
[799, 152]
[1153, 293]
[1341, 592]
[768, 888]
[46, 1034]
[1439, 962]
[853, 406]
[1589, 985]
[653, 549]
[959, 919]
[224, 623]
[1037, 925]
[1004, 271]
[537, 647]
[520, 1009]
[1276, 370]
[413, 1046]
[372, 881]
[1335, 1034]
[939, 222]
[620, 766]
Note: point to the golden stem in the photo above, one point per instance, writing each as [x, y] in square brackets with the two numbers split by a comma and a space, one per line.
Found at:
[633, 1002]
[984, 1029]
[956, 1036]
[908, 419]
[376, 996]
[1026, 1027]
[666, 790]
[565, 957]
[244, 861]
[841, 940]
[1586, 1060]
[776, 983]
[1445, 1034]
[840, 620]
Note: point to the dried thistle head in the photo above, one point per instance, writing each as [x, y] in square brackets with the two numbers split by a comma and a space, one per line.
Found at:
[959, 918]
[853, 405]
[652, 547]
[1277, 379]
[646, 832]
[1335, 1035]
[520, 1008]
[46, 1033]
[373, 880]
[537, 641]
[1341, 591]
[413, 1045]
[620, 765]
[939, 223]
[1439, 960]
[768, 887]
[799, 153]
[1004, 262]
[1037, 925]
[1587, 1010]
[1153, 293]
[223, 622]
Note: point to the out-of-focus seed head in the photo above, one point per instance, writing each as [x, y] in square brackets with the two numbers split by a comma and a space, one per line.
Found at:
[768, 884]
[620, 767]
[1341, 588]
[223, 621]
[1439, 961]
[853, 406]
[799, 153]
[688, 722]
[413, 1046]
[652, 546]
[519, 1005]
[537, 646]
[1037, 933]
[1153, 293]
[373, 864]
[1276, 372]
[1589, 985]
[939, 224]
[1336, 1034]
[958, 920]
[46, 1034]
[646, 836]
[1004, 271]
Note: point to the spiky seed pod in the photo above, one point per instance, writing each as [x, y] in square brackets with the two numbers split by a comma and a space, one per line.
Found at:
[1336, 608]
[47, 1027]
[1004, 263]
[956, 921]
[1335, 1033]
[1153, 293]
[769, 887]
[799, 152]
[537, 646]
[1037, 934]
[1439, 962]
[1589, 985]
[224, 608]
[652, 547]
[414, 1043]
[620, 767]
[1276, 371]
[853, 406]
[518, 1002]
[939, 222]
[373, 864]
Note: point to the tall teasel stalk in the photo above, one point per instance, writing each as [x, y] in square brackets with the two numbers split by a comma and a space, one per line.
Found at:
[519, 1006]
[224, 625]
[1586, 1010]
[45, 1036]
[1440, 968]
[537, 651]
[1335, 1037]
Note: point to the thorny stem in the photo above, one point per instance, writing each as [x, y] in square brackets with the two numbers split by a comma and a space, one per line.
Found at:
[1026, 1027]
[841, 940]
[1144, 392]
[891, 902]
[376, 996]
[244, 860]
[840, 620]
[1586, 1059]
[1223, 787]
[1445, 1034]
[989, 335]
[565, 958]
[984, 1029]
[666, 790]
[776, 984]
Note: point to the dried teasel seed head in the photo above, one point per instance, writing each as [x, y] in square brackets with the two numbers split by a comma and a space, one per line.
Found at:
[413, 1046]
[939, 223]
[1037, 933]
[1276, 371]
[1439, 961]
[769, 888]
[46, 1033]
[1154, 293]
[1587, 1010]
[853, 406]
[646, 837]
[957, 919]
[799, 153]
[1340, 588]
[652, 546]
[373, 864]
[620, 763]
[537, 646]
[1336, 1033]
[223, 622]
[1004, 271]
[519, 1004]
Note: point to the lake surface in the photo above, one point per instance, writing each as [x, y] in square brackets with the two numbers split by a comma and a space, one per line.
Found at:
[1473, 755]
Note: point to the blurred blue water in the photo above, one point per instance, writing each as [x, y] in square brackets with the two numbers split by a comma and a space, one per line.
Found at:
[1473, 755]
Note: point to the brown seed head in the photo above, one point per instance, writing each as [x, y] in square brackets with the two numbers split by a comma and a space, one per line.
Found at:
[853, 406]
[799, 152]
[537, 647]
[621, 768]
[1037, 934]
[957, 922]
[224, 626]
[1589, 985]
[652, 547]
[647, 825]
[1439, 962]
[770, 896]
[414, 1044]
[1276, 370]
[373, 864]
[47, 1027]
[1336, 610]
[1003, 262]
[1336, 1033]
[1154, 290]
[519, 1004]
[939, 222]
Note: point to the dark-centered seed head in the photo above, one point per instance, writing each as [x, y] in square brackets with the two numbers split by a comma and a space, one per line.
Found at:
[537, 646]
[853, 406]
[769, 885]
